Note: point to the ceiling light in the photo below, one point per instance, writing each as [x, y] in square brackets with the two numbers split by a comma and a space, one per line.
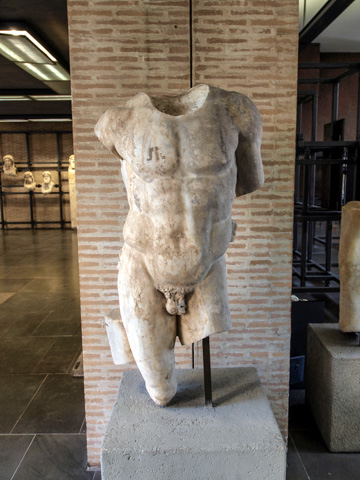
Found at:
[51, 98]
[35, 98]
[18, 120]
[23, 49]
[50, 119]
[14, 98]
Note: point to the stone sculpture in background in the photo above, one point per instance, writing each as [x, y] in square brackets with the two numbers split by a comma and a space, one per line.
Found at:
[9, 167]
[29, 182]
[182, 160]
[349, 264]
[72, 191]
[47, 185]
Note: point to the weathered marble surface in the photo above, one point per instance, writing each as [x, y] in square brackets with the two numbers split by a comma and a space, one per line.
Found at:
[29, 181]
[72, 191]
[47, 185]
[9, 167]
[349, 263]
[182, 160]
[119, 343]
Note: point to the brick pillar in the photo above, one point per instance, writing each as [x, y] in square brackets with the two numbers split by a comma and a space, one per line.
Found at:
[118, 49]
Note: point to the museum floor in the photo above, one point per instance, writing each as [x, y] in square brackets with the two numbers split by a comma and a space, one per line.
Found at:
[42, 420]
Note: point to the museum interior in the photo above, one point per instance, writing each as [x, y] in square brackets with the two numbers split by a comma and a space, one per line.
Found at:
[266, 350]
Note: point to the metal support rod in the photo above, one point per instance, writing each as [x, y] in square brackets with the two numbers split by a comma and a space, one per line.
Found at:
[328, 246]
[311, 234]
[193, 356]
[335, 102]
[207, 371]
[358, 111]
[304, 233]
[1, 204]
[31, 195]
[314, 119]
[299, 118]
[59, 174]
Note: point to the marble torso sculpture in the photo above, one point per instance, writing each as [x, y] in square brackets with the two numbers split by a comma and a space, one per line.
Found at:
[29, 182]
[183, 158]
[9, 167]
[349, 263]
[72, 191]
[47, 185]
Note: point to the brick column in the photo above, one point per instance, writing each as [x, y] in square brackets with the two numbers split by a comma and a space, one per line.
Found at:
[120, 48]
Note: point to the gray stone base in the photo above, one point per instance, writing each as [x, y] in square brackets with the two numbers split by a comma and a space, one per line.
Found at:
[333, 385]
[237, 439]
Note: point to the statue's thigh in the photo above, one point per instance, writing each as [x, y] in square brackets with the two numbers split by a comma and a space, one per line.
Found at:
[142, 307]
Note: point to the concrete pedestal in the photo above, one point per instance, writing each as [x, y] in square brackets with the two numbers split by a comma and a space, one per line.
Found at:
[237, 439]
[333, 385]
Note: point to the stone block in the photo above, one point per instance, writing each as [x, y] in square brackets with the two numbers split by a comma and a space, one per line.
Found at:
[333, 385]
[236, 439]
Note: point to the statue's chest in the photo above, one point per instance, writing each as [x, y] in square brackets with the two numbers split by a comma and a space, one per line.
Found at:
[166, 146]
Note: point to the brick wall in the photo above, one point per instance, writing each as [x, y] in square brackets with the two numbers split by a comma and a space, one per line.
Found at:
[120, 48]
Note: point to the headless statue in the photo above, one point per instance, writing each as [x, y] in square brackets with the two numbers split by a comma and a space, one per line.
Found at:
[182, 160]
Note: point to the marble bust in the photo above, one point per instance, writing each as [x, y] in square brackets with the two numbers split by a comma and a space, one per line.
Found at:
[9, 167]
[47, 185]
[72, 162]
[183, 158]
[29, 182]
[349, 265]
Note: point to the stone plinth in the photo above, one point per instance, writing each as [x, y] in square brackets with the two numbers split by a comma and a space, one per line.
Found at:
[333, 385]
[236, 439]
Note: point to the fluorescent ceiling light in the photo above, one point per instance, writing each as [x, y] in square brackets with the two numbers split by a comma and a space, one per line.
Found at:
[22, 48]
[35, 98]
[23, 120]
[51, 98]
[49, 119]
[35, 71]
[14, 98]
[25, 33]
[18, 120]
[58, 72]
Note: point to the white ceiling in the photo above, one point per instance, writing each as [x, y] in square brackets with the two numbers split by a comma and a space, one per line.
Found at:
[343, 35]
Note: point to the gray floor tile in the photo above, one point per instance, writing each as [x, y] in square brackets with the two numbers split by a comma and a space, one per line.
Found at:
[25, 302]
[12, 450]
[320, 463]
[51, 285]
[60, 328]
[30, 271]
[61, 355]
[58, 407]
[20, 323]
[15, 394]
[13, 284]
[22, 354]
[4, 296]
[55, 457]
[295, 469]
